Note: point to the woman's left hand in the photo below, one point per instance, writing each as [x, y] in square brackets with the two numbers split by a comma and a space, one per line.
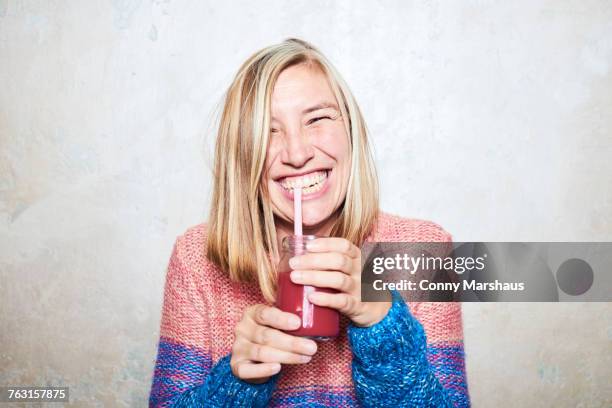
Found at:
[336, 263]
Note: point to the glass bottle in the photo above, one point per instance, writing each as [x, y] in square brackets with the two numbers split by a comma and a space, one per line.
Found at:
[318, 322]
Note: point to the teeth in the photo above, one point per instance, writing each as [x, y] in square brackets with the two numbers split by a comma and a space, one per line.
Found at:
[309, 183]
[313, 189]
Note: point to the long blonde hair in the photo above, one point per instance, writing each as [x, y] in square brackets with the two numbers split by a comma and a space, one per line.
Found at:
[241, 230]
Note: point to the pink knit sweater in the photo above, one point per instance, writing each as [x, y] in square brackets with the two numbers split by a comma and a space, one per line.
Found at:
[202, 307]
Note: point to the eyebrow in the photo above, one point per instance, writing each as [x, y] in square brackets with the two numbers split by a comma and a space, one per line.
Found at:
[322, 105]
[318, 106]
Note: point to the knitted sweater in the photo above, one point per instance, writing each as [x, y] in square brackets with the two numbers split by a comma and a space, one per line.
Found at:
[413, 357]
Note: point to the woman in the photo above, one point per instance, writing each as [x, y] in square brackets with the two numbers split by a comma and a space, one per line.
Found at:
[290, 121]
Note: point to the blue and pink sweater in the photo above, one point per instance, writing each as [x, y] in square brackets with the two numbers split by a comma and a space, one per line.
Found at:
[412, 358]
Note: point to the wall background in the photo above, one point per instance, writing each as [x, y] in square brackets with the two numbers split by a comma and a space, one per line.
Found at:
[494, 120]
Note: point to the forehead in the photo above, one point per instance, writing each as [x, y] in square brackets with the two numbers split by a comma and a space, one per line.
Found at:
[299, 87]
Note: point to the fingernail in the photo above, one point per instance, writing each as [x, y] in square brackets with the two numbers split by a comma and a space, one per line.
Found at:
[313, 296]
[310, 347]
[276, 368]
[294, 262]
[295, 322]
[296, 276]
[305, 359]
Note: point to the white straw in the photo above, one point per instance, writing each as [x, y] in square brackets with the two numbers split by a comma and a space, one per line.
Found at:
[297, 211]
[307, 307]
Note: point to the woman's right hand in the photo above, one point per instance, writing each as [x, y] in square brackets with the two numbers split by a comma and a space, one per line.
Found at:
[261, 347]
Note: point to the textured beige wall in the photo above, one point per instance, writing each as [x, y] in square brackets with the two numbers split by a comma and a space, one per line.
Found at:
[494, 120]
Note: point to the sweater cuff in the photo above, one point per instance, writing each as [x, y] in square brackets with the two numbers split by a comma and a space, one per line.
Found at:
[394, 340]
[225, 389]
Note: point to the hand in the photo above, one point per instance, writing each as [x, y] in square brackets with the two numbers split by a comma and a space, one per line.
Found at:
[261, 347]
[336, 263]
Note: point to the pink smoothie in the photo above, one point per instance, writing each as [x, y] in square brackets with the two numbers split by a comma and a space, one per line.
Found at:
[321, 324]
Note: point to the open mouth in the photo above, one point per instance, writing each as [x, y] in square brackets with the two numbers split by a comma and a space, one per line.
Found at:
[309, 183]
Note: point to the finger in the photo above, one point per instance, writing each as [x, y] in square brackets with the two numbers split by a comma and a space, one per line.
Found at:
[267, 354]
[248, 370]
[282, 341]
[324, 279]
[333, 244]
[271, 316]
[324, 261]
[239, 348]
[344, 303]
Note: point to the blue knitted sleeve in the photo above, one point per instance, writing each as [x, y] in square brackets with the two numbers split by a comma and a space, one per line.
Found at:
[390, 366]
[223, 389]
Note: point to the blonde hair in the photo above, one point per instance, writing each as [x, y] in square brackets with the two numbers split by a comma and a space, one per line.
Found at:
[241, 232]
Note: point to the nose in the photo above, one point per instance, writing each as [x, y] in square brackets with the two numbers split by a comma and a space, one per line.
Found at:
[298, 150]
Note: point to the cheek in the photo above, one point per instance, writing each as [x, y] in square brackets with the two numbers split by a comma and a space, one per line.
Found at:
[335, 143]
[271, 155]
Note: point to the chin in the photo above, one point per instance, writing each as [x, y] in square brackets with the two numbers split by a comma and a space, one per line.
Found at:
[310, 222]
[316, 216]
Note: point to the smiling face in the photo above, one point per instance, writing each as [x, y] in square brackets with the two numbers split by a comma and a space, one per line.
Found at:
[308, 148]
